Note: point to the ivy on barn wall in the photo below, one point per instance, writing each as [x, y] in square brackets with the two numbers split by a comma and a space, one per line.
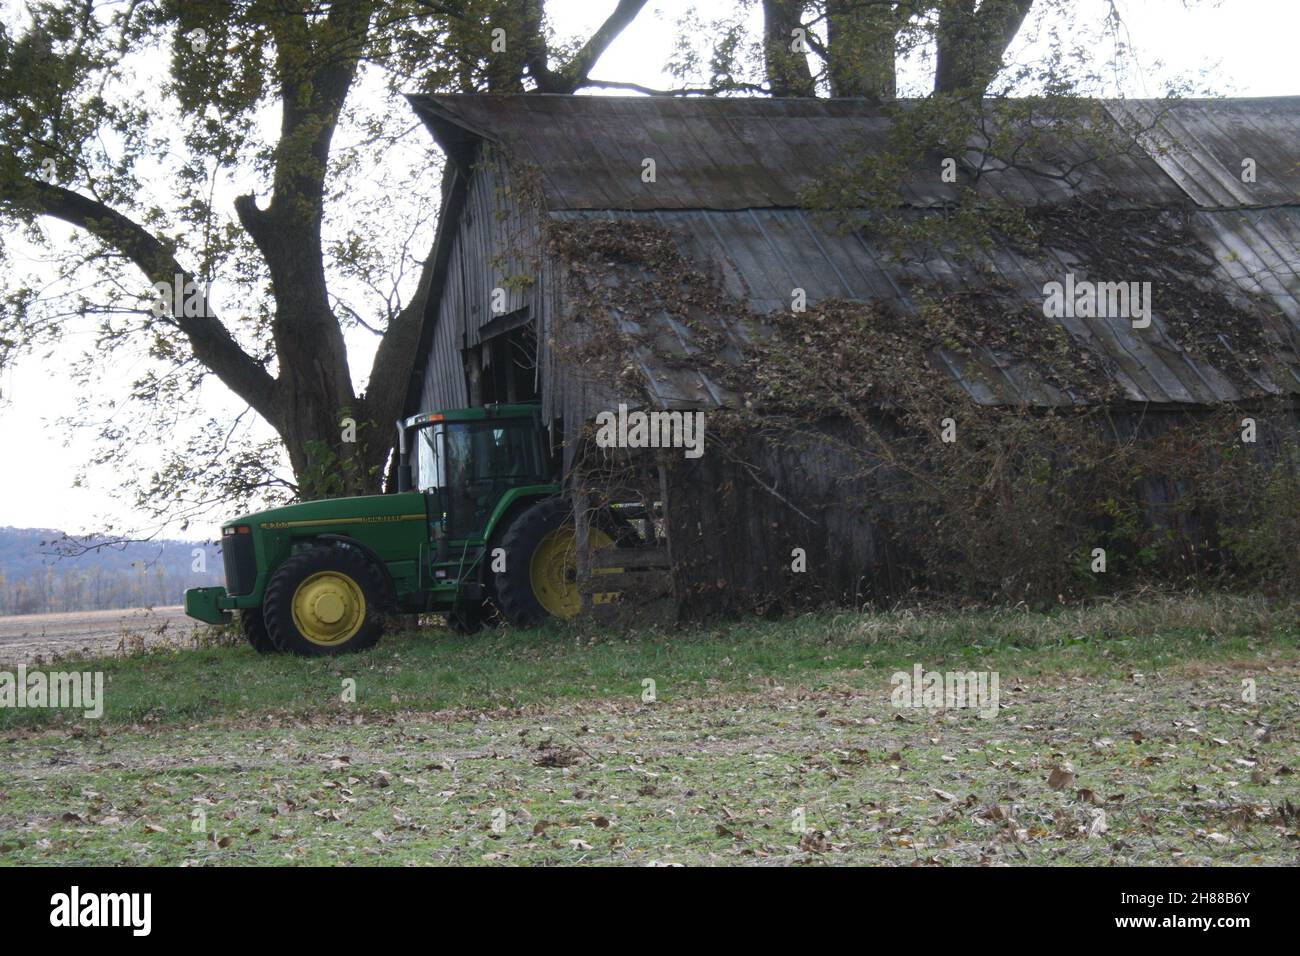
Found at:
[833, 438]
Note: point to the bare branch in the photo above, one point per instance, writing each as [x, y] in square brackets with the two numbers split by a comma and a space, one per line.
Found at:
[211, 341]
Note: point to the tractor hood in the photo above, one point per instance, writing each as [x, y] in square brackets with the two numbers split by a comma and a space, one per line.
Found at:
[367, 509]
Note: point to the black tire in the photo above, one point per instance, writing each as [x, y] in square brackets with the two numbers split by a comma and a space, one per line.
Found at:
[512, 589]
[469, 617]
[253, 627]
[513, 586]
[277, 606]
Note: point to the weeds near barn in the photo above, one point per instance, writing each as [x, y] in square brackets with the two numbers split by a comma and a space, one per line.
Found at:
[1123, 737]
[847, 405]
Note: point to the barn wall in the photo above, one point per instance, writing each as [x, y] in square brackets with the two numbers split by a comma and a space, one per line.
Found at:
[735, 515]
[496, 236]
[494, 245]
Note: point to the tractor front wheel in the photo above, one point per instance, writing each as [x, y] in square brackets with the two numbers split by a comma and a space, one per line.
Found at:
[324, 601]
[541, 575]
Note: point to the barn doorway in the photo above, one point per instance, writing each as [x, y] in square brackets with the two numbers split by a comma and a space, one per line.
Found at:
[503, 366]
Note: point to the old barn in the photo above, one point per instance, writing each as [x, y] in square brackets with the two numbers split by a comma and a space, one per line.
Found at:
[695, 255]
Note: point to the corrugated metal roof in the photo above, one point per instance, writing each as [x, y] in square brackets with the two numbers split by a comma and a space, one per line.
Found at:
[731, 153]
[729, 175]
[1201, 145]
[759, 256]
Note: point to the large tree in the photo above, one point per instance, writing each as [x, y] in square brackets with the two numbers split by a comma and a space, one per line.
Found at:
[264, 144]
[137, 123]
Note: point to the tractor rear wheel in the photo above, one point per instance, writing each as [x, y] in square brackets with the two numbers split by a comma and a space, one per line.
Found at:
[253, 627]
[324, 601]
[541, 576]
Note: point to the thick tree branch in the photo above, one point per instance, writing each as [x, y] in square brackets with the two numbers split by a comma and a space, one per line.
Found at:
[577, 69]
[574, 74]
[256, 222]
[211, 341]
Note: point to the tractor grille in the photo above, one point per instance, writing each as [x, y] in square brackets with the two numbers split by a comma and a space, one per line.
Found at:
[240, 565]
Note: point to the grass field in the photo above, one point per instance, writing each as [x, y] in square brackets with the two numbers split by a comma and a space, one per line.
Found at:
[1122, 737]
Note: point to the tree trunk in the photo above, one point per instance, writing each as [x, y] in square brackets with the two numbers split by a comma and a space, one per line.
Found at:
[971, 44]
[787, 65]
[860, 48]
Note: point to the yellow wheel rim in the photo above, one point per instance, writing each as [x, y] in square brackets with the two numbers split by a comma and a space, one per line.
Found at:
[553, 571]
[328, 608]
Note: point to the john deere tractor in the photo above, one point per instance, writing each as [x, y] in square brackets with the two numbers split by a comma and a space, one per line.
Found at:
[476, 527]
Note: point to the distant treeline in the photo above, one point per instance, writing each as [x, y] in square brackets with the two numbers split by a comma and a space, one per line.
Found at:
[37, 577]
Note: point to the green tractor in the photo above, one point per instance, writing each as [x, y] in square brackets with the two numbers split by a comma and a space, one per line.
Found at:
[477, 527]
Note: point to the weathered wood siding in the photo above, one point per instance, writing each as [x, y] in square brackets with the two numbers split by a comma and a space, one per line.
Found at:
[736, 518]
[494, 246]
[736, 515]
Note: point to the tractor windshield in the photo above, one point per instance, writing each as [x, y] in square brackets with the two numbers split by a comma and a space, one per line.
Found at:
[473, 464]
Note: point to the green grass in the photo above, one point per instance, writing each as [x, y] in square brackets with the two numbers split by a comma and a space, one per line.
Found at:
[437, 670]
[217, 756]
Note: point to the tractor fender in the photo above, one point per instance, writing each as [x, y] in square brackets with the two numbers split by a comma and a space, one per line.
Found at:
[390, 589]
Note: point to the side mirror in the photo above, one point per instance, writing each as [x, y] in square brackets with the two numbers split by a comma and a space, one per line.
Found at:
[403, 461]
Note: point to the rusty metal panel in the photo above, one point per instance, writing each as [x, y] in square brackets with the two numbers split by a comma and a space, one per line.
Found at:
[736, 152]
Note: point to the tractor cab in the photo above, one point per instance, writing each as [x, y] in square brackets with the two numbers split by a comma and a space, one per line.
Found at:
[466, 462]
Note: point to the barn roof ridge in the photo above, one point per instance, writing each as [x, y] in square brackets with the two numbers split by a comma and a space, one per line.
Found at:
[764, 152]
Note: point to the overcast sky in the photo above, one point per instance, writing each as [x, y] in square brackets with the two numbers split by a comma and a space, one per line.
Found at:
[1247, 47]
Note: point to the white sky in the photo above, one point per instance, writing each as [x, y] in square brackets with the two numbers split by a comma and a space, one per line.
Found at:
[1246, 48]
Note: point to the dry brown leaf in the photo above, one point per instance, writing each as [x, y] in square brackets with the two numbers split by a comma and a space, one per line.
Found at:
[1060, 778]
